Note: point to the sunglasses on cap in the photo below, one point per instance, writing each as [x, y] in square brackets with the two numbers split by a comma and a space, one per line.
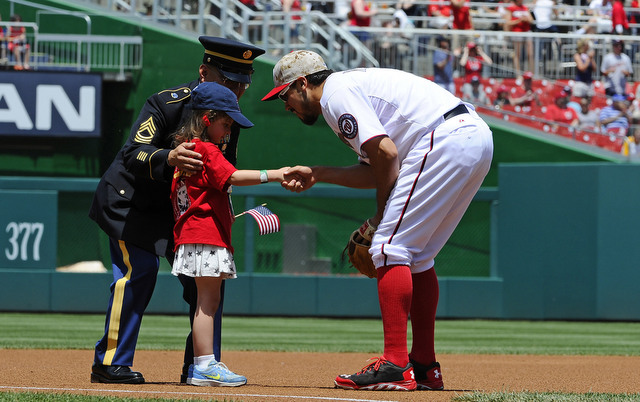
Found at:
[283, 94]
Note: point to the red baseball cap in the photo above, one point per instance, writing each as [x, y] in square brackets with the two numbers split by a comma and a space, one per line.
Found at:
[561, 94]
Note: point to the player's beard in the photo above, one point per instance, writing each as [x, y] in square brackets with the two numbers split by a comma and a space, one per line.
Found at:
[308, 117]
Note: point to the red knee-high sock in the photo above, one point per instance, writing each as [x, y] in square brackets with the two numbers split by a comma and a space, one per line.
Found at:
[423, 316]
[394, 294]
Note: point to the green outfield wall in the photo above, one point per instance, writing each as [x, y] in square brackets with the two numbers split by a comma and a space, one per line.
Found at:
[562, 240]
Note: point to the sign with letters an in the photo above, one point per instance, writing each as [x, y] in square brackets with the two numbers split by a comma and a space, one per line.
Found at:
[50, 104]
[28, 229]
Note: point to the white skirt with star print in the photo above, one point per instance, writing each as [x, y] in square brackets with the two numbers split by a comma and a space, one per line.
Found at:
[204, 260]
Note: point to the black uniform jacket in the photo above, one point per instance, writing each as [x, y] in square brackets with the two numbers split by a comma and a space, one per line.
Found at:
[132, 200]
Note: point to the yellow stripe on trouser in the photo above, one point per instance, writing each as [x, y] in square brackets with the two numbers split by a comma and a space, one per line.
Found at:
[116, 308]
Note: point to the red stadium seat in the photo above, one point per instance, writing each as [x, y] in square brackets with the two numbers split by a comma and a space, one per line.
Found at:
[586, 137]
[610, 142]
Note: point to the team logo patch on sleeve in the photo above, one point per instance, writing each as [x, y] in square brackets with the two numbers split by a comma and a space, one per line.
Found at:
[348, 126]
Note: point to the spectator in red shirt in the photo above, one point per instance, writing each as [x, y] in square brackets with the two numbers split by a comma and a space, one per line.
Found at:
[559, 112]
[440, 14]
[502, 97]
[461, 15]
[525, 95]
[461, 21]
[18, 44]
[619, 20]
[518, 19]
[473, 60]
[360, 16]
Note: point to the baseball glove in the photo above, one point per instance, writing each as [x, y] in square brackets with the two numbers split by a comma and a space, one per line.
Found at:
[357, 249]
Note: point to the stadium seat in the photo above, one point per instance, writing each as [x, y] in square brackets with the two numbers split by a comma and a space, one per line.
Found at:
[610, 142]
[586, 137]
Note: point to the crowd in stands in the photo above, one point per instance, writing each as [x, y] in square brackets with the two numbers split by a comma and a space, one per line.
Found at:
[600, 111]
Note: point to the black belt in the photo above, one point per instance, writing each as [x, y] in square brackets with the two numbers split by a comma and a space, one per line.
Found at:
[460, 109]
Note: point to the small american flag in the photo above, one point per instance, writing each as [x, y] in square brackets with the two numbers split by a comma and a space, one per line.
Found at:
[268, 222]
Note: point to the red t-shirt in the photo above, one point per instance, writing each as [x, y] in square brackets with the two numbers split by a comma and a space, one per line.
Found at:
[473, 68]
[517, 12]
[359, 21]
[296, 6]
[443, 10]
[519, 92]
[15, 31]
[633, 16]
[201, 205]
[566, 116]
[461, 18]
[619, 16]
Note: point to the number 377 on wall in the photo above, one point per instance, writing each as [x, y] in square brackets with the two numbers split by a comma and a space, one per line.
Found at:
[24, 240]
[28, 221]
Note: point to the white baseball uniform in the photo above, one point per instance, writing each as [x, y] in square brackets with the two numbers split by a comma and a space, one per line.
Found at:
[442, 162]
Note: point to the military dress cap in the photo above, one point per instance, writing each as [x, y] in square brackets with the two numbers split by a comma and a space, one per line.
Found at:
[234, 59]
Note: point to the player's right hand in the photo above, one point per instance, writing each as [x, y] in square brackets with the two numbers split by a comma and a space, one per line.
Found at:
[298, 179]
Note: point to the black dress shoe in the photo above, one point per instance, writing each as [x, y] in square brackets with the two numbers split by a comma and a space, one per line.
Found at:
[115, 375]
[185, 373]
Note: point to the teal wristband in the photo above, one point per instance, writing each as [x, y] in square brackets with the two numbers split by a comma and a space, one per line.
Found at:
[263, 177]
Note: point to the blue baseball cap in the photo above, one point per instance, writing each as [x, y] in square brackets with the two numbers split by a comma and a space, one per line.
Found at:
[213, 96]
[618, 98]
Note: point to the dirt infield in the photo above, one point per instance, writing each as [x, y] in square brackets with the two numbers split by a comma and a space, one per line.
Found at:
[309, 376]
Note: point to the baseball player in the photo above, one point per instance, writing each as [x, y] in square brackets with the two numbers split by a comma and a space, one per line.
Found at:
[132, 206]
[426, 153]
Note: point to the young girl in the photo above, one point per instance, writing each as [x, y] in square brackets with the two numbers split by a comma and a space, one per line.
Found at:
[203, 216]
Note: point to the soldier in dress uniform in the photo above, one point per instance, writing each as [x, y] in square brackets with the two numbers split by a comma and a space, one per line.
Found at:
[132, 206]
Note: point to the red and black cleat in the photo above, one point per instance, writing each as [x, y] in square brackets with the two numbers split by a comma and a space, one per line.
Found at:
[380, 375]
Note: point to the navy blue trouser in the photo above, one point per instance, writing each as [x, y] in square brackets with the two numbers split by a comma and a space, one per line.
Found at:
[134, 278]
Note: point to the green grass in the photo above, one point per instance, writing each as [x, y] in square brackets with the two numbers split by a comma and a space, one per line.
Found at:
[68, 331]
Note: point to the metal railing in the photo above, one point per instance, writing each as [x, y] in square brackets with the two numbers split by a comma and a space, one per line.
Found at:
[73, 51]
[280, 32]
[276, 31]
[117, 54]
